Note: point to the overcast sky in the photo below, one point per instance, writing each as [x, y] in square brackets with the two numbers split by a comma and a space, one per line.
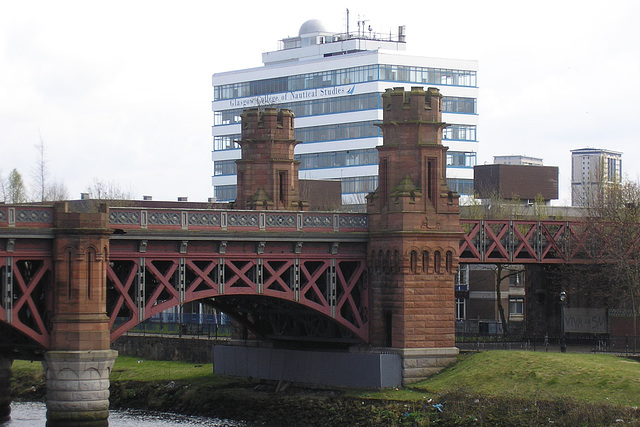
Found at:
[120, 91]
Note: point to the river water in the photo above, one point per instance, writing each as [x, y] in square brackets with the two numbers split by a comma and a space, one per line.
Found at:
[33, 414]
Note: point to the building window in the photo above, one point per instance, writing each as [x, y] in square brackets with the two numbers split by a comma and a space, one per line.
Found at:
[516, 307]
[398, 73]
[460, 186]
[224, 167]
[413, 262]
[516, 279]
[361, 184]
[226, 142]
[461, 309]
[335, 159]
[462, 278]
[396, 261]
[425, 261]
[225, 193]
[461, 159]
[460, 132]
[388, 268]
[316, 107]
[437, 262]
[337, 132]
[458, 105]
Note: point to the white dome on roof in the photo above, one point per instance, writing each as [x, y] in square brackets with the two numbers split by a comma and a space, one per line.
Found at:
[312, 26]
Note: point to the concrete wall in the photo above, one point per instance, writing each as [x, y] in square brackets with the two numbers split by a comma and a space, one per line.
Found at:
[331, 368]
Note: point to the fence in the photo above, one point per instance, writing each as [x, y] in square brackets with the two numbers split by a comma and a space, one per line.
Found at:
[211, 326]
[618, 344]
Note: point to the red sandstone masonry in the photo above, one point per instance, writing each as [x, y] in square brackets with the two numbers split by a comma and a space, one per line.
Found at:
[268, 172]
[413, 211]
[79, 320]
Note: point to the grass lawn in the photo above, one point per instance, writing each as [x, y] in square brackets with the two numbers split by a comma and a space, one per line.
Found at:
[134, 369]
[586, 378]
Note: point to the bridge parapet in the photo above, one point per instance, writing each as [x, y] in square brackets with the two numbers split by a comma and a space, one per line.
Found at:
[235, 220]
[26, 216]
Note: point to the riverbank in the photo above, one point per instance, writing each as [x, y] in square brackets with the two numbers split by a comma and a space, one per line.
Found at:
[485, 389]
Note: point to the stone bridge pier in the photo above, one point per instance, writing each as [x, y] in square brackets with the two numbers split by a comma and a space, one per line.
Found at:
[414, 234]
[5, 388]
[78, 364]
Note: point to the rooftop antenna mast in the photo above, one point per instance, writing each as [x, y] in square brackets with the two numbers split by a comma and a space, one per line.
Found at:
[362, 22]
[347, 23]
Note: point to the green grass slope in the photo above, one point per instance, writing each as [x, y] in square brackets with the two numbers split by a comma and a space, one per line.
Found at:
[588, 378]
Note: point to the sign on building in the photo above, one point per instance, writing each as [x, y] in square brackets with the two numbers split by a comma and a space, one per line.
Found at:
[585, 320]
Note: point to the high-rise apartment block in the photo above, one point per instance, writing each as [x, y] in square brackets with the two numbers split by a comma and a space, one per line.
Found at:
[332, 82]
[591, 169]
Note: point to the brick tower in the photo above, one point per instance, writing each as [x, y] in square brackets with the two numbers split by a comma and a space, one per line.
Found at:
[267, 171]
[414, 236]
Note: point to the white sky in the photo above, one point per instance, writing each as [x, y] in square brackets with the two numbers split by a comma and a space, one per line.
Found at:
[121, 90]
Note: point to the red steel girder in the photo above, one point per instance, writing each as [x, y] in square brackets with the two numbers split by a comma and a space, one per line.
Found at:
[22, 279]
[321, 280]
[526, 241]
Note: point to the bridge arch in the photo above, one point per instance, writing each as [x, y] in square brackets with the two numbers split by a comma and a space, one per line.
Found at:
[313, 288]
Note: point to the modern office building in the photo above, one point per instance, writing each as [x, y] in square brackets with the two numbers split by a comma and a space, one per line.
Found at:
[591, 169]
[517, 160]
[516, 182]
[332, 82]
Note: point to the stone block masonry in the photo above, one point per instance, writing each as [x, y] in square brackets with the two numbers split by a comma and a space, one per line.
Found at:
[5, 388]
[414, 236]
[78, 387]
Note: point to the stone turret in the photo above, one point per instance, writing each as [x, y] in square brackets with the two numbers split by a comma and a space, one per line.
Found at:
[414, 235]
[267, 171]
[412, 162]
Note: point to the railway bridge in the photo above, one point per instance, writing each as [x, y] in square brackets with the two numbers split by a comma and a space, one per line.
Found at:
[377, 288]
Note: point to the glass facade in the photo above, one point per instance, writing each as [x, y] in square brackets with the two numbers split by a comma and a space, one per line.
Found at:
[337, 159]
[345, 104]
[461, 159]
[460, 186]
[226, 192]
[359, 184]
[460, 132]
[353, 185]
[331, 159]
[345, 76]
[341, 104]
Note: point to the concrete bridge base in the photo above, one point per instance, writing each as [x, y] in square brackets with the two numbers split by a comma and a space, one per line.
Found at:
[366, 367]
[78, 387]
[313, 367]
[420, 363]
[5, 388]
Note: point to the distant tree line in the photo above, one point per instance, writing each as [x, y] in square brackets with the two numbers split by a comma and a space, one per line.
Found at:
[14, 190]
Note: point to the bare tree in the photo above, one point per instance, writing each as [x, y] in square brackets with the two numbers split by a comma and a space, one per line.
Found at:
[40, 173]
[503, 272]
[494, 207]
[616, 243]
[108, 190]
[56, 191]
[45, 188]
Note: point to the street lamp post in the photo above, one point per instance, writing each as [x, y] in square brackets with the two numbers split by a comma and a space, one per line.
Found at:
[563, 303]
